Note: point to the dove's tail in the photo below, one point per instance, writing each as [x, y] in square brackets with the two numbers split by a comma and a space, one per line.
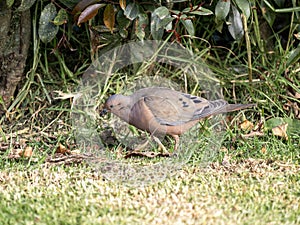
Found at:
[234, 107]
[218, 107]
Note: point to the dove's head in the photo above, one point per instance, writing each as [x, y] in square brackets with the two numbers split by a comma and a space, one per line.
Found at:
[119, 105]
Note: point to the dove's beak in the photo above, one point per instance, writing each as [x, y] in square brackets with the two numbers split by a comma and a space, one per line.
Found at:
[103, 112]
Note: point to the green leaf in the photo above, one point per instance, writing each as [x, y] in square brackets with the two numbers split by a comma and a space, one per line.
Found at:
[123, 22]
[244, 6]
[160, 18]
[164, 23]
[123, 33]
[268, 14]
[222, 9]
[220, 25]
[61, 18]
[132, 11]
[149, 8]
[69, 3]
[198, 11]
[47, 30]
[294, 56]
[9, 3]
[140, 26]
[235, 26]
[161, 12]
[25, 5]
[202, 12]
[189, 26]
[280, 3]
[156, 32]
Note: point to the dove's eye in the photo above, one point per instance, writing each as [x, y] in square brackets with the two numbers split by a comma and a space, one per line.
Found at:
[111, 106]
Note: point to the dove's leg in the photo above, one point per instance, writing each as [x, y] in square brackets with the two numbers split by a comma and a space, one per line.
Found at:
[161, 147]
[176, 138]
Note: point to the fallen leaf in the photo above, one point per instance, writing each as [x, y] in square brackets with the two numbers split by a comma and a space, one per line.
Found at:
[281, 131]
[63, 95]
[253, 134]
[263, 150]
[75, 152]
[292, 107]
[226, 160]
[289, 126]
[246, 125]
[62, 149]
[223, 149]
[18, 152]
[119, 152]
[26, 153]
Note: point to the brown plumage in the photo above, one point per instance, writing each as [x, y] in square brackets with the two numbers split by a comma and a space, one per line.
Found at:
[160, 110]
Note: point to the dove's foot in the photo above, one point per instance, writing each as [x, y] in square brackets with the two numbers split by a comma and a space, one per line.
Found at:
[141, 146]
[161, 147]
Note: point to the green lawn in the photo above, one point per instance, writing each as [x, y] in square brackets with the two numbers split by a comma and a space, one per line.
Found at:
[240, 190]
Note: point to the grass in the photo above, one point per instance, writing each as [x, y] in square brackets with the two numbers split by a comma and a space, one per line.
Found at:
[249, 191]
[252, 180]
[244, 185]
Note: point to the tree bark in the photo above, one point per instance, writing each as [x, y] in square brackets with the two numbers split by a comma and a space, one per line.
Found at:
[15, 31]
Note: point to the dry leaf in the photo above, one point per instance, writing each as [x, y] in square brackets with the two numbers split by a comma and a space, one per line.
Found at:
[63, 95]
[119, 152]
[263, 150]
[281, 131]
[246, 125]
[122, 4]
[223, 149]
[253, 134]
[75, 152]
[89, 13]
[27, 152]
[81, 5]
[18, 152]
[109, 17]
[226, 160]
[62, 149]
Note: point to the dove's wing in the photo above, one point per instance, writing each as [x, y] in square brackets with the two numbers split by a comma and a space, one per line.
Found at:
[173, 108]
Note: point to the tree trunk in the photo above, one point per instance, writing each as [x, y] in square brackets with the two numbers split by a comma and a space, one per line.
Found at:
[14, 43]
